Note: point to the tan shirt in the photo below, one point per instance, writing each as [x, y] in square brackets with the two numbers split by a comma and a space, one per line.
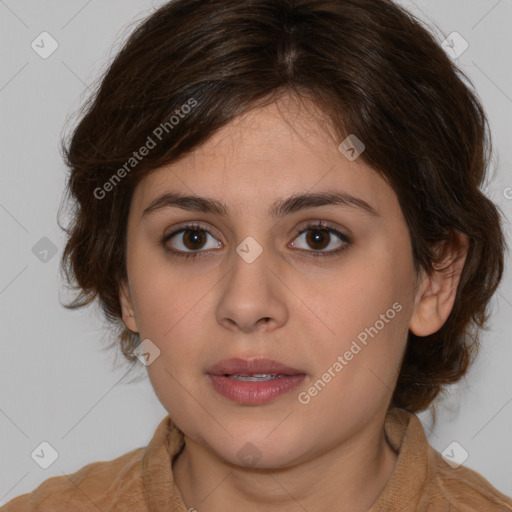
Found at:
[142, 480]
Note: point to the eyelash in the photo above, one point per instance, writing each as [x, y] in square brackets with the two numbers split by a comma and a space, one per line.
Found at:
[319, 226]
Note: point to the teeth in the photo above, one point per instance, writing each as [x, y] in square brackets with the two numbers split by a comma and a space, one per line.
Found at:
[258, 377]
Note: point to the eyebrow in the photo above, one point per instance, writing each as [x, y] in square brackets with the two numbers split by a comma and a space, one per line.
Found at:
[278, 210]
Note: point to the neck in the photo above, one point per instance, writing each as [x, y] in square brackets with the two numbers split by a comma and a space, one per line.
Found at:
[349, 477]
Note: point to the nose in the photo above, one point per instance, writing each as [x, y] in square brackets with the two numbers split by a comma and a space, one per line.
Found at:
[253, 297]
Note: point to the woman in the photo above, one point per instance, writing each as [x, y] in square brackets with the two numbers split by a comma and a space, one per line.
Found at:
[278, 205]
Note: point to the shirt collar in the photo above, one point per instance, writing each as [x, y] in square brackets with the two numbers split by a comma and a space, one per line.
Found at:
[415, 465]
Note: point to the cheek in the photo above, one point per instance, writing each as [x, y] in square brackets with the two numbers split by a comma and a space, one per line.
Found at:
[367, 307]
[365, 287]
[359, 364]
[161, 293]
[154, 307]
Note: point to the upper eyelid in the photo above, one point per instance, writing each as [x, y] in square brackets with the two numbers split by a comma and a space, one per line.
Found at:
[304, 226]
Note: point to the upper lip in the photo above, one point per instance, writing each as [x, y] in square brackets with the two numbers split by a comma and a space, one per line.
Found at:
[238, 366]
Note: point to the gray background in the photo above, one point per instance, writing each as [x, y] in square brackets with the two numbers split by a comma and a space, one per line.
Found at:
[57, 384]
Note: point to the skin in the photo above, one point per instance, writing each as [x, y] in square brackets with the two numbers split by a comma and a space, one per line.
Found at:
[330, 454]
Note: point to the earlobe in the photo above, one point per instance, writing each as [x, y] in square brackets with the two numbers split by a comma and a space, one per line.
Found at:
[437, 292]
[127, 308]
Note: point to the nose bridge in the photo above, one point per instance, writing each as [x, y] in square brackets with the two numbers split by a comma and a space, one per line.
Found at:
[250, 265]
[251, 290]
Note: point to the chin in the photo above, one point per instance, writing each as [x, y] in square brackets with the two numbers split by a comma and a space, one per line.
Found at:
[256, 450]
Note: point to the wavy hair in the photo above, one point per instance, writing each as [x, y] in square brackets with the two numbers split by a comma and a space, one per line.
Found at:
[373, 70]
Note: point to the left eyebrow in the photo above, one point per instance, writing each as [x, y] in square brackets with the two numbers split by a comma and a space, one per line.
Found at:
[278, 210]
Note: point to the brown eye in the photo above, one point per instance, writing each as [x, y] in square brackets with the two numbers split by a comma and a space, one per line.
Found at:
[190, 240]
[318, 237]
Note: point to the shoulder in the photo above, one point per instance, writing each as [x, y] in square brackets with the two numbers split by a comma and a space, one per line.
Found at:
[98, 485]
[423, 480]
[465, 490]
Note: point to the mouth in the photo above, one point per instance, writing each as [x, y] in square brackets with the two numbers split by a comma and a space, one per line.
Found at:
[253, 381]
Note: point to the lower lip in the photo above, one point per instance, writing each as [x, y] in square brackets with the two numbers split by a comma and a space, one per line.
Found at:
[254, 393]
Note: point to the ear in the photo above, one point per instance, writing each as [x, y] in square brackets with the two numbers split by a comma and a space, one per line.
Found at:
[127, 308]
[436, 293]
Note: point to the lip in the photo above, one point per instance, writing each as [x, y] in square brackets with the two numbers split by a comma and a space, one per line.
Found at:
[253, 393]
[251, 366]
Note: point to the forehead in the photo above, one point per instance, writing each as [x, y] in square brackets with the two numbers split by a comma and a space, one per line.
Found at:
[269, 153]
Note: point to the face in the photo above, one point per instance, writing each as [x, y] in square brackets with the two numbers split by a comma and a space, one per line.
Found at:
[327, 288]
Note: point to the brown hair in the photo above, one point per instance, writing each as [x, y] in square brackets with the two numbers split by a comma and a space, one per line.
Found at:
[371, 68]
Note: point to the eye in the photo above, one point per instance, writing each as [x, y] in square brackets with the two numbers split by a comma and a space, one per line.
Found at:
[192, 240]
[319, 236]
